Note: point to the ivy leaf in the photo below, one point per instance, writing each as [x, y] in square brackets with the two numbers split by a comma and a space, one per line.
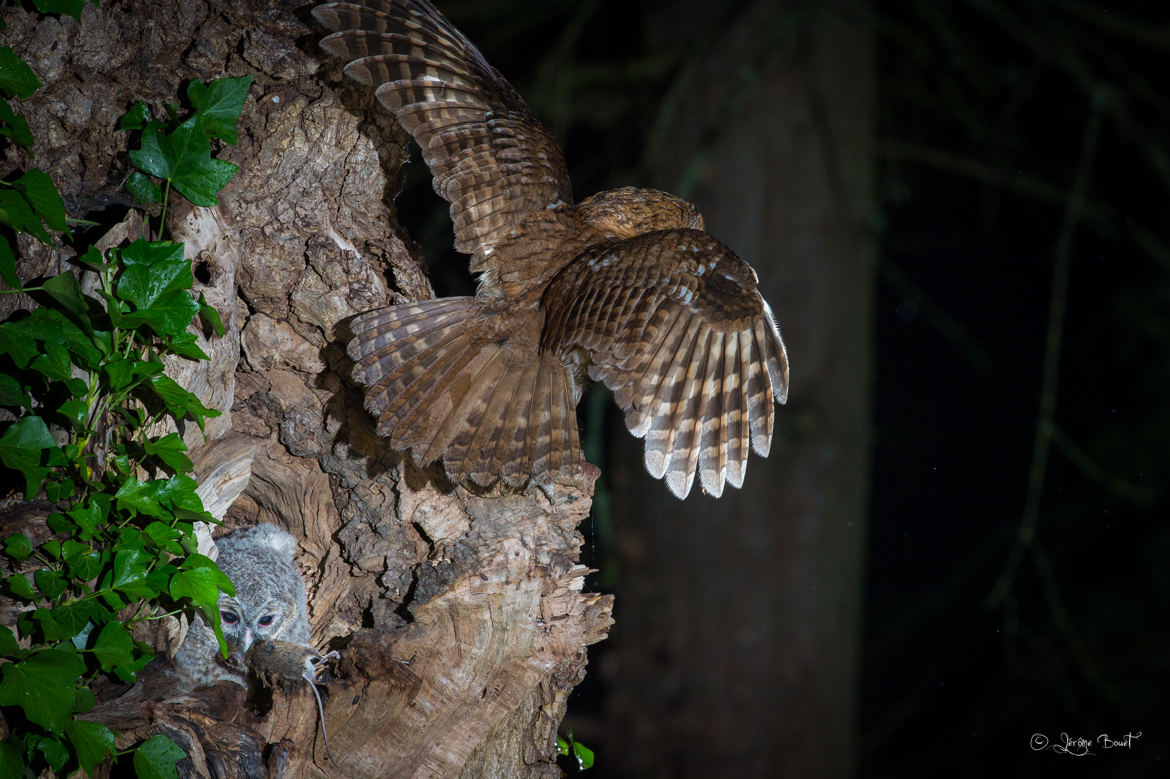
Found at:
[8, 265]
[179, 493]
[131, 538]
[114, 646]
[76, 410]
[53, 363]
[179, 401]
[170, 449]
[65, 290]
[17, 546]
[111, 598]
[220, 104]
[17, 342]
[155, 156]
[21, 449]
[136, 118]
[42, 195]
[12, 394]
[130, 573]
[56, 754]
[21, 586]
[169, 316]
[120, 372]
[80, 640]
[50, 583]
[210, 315]
[143, 497]
[201, 183]
[93, 742]
[200, 580]
[187, 345]
[47, 325]
[143, 188]
[59, 489]
[88, 516]
[17, 212]
[156, 758]
[8, 644]
[68, 620]
[84, 562]
[94, 258]
[584, 756]
[183, 157]
[153, 269]
[16, 77]
[11, 759]
[84, 701]
[14, 127]
[59, 523]
[70, 7]
[163, 536]
[43, 684]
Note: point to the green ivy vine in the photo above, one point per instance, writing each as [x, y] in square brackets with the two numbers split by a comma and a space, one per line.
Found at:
[83, 396]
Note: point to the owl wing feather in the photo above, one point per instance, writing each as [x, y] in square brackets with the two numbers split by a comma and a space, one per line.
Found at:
[445, 383]
[675, 326]
[490, 157]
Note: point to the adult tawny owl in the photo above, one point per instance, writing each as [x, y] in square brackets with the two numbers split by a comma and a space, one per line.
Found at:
[625, 288]
[269, 605]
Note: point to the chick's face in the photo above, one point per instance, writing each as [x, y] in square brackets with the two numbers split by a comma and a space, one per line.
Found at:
[246, 621]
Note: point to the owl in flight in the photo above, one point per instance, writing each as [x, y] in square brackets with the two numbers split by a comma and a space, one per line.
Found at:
[625, 287]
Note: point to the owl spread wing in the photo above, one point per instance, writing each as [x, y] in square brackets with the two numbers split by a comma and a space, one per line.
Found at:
[443, 385]
[490, 157]
[675, 327]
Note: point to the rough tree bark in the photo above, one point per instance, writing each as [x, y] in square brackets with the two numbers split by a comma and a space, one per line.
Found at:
[736, 652]
[459, 615]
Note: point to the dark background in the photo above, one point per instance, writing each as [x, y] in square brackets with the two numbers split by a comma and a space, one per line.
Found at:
[1017, 574]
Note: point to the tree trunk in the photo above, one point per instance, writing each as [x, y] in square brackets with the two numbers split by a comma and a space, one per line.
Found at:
[458, 614]
[736, 650]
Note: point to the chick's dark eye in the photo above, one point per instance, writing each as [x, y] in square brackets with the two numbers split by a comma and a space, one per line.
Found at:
[228, 617]
[266, 620]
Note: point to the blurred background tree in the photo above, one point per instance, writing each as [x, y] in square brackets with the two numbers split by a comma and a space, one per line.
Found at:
[1000, 571]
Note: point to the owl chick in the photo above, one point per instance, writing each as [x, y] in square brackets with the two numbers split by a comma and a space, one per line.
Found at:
[269, 604]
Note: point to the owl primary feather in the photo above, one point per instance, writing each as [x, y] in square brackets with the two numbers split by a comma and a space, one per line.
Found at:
[625, 287]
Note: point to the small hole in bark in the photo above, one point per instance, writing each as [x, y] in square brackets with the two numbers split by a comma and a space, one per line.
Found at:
[202, 272]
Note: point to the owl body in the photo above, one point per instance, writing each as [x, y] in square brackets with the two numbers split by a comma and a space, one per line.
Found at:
[625, 287]
[269, 604]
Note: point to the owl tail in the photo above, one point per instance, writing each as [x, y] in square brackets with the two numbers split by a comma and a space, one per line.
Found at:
[442, 389]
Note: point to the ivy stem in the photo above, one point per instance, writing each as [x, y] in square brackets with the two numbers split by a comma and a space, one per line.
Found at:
[162, 217]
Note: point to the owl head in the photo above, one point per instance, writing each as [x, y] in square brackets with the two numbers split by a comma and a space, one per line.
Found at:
[270, 596]
[630, 211]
